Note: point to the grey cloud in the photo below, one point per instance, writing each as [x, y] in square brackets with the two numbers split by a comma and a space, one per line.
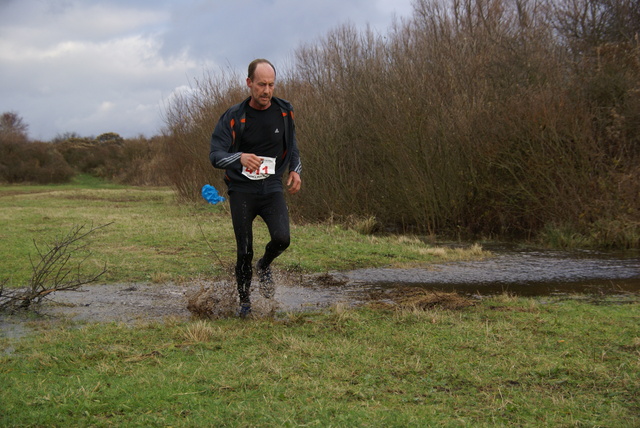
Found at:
[91, 66]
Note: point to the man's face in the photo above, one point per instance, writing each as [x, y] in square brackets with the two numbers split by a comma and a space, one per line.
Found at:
[261, 86]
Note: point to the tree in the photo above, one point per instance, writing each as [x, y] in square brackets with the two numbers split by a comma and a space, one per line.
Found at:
[12, 127]
[589, 24]
[109, 137]
[60, 138]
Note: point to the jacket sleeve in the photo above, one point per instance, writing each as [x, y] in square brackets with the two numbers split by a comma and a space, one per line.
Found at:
[294, 164]
[221, 154]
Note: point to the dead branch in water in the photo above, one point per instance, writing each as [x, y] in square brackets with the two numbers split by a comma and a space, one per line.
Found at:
[56, 270]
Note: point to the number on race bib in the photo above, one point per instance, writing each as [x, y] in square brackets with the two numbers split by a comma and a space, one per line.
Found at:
[267, 168]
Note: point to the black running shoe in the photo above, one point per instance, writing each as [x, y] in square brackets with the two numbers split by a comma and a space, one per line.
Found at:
[245, 310]
[266, 286]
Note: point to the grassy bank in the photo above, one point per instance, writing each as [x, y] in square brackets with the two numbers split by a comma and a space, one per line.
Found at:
[502, 362]
[151, 237]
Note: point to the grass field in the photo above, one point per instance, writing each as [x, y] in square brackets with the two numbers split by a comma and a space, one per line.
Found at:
[503, 361]
[150, 237]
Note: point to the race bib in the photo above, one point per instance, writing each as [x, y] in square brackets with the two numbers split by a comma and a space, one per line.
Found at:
[267, 168]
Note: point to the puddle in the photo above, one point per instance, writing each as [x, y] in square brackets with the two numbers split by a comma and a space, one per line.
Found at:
[140, 303]
[526, 272]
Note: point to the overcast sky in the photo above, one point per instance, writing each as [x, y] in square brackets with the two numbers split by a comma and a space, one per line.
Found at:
[95, 66]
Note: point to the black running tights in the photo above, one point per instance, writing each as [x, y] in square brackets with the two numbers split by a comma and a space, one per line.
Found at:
[245, 207]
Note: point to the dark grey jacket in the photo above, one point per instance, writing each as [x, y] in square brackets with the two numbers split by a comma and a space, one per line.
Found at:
[224, 152]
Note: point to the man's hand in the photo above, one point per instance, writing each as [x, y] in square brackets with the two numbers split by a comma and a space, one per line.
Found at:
[251, 161]
[293, 182]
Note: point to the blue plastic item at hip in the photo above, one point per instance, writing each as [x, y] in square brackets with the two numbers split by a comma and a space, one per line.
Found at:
[210, 194]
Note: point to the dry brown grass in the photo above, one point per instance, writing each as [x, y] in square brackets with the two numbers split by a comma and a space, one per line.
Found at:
[416, 298]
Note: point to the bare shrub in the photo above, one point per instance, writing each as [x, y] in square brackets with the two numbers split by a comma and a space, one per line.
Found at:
[189, 120]
[59, 268]
[339, 89]
[584, 25]
[493, 117]
[405, 129]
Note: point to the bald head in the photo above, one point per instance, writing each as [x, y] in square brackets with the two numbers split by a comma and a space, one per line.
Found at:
[254, 65]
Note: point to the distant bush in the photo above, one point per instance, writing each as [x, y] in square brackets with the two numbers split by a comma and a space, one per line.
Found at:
[82, 154]
[138, 161]
[35, 162]
[109, 156]
[142, 162]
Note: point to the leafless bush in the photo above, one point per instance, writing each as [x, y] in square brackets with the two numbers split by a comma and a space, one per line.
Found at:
[585, 25]
[481, 116]
[190, 119]
[58, 269]
[404, 128]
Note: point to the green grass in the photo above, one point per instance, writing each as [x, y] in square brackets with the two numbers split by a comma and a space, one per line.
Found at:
[503, 362]
[153, 238]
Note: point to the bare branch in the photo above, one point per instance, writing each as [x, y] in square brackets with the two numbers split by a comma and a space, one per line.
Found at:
[57, 270]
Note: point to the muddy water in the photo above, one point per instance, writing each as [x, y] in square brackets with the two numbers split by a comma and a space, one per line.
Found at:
[522, 272]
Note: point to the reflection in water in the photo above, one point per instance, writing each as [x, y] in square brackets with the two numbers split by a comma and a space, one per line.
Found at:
[523, 273]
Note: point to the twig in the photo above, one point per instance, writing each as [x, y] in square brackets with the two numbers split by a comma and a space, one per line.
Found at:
[52, 272]
[224, 267]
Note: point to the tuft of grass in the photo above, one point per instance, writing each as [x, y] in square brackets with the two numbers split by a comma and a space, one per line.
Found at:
[602, 234]
[367, 226]
[199, 332]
